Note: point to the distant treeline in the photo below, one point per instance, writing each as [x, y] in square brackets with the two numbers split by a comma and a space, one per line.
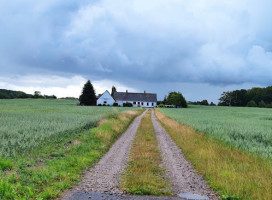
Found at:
[255, 97]
[203, 103]
[10, 94]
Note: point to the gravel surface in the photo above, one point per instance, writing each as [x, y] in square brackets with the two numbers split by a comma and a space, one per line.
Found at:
[104, 177]
[179, 171]
[103, 196]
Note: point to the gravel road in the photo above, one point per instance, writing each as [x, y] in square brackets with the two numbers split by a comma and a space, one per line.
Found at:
[101, 182]
[104, 177]
[179, 171]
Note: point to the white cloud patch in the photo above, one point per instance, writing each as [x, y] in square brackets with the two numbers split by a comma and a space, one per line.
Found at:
[57, 85]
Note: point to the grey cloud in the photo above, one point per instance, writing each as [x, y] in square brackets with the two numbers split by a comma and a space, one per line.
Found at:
[213, 42]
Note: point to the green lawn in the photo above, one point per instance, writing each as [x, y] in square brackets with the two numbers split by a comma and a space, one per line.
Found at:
[249, 129]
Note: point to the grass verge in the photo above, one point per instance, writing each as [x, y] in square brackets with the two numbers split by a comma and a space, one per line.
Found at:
[232, 172]
[59, 168]
[143, 175]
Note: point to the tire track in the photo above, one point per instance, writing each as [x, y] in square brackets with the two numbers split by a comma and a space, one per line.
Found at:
[179, 171]
[104, 177]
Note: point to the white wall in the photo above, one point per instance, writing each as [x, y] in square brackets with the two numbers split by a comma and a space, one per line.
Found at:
[106, 98]
[144, 103]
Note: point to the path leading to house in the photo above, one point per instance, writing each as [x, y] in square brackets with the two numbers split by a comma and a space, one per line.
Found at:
[102, 181]
[104, 177]
[179, 171]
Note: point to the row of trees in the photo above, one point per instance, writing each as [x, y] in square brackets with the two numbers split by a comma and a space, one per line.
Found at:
[10, 94]
[203, 103]
[255, 97]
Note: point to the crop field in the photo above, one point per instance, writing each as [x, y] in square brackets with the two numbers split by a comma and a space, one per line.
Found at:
[46, 144]
[27, 124]
[248, 129]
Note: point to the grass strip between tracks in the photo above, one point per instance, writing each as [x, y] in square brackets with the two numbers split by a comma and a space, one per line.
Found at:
[232, 172]
[143, 175]
[61, 167]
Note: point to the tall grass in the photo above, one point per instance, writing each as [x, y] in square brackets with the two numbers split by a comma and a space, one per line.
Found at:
[27, 124]
[249, 129]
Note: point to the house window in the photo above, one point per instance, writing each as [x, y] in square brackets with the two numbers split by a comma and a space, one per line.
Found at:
[152, 104]
[105, 102]
[134, 102]
[147, 104]
[142, 103]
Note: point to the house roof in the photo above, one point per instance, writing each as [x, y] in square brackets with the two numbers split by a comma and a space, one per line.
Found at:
[129, 96]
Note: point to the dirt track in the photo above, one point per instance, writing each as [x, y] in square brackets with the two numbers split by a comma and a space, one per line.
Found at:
[104, 177]
[102, 181]
[179, 171]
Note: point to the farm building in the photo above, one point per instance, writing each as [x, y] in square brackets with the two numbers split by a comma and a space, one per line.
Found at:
[136, 99]
[105, 99]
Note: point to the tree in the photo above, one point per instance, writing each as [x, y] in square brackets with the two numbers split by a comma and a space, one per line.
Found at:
[88, 97]
[251, 103]
[212, 104]
[113, 90]
[37, 94]
[177, 99]
[204, 102]
[262, 104]
[225, 99]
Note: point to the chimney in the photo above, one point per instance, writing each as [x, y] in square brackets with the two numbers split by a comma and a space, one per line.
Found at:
[144, 92]
[126, 91]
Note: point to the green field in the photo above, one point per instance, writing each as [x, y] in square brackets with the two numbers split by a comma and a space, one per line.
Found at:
[46, 144]
[249, 129]
[27, 124]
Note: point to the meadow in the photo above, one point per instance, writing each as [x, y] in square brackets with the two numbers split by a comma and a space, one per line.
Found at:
[28, 124]
[249, 129]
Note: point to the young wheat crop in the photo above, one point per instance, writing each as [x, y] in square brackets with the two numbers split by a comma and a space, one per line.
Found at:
[249, 129]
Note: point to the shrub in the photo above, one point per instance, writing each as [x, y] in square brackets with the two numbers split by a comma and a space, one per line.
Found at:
[115, 104]
[251, 104]
[161, 105]
[127, 104]
[269, 105]
[262, 104]
[99, 104]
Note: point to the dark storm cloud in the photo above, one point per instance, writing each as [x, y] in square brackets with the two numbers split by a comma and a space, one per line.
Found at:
[215, 42]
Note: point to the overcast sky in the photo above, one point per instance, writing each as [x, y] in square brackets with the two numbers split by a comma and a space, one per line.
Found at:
[198, 47]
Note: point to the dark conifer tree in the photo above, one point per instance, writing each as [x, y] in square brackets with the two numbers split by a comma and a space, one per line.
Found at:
[113, 90]
[88, 97]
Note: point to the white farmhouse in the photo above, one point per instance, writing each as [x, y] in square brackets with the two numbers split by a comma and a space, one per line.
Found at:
[105, 98]
[148, 100]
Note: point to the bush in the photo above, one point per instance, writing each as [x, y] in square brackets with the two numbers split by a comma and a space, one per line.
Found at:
[262, 104]
[115, 104]
[127, 104]
[251, 104]
[161, 105]
[269, 105]
[99, 104]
